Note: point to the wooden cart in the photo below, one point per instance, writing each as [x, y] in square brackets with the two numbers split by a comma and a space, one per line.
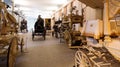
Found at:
[95, 56]
[72, 36]
[106, 52]
[39, 32]
[9, 38]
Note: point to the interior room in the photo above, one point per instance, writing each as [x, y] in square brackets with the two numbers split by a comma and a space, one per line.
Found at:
[59, 33]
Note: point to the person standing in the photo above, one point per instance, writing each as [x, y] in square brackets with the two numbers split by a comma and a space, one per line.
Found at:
[55, 27]
[39, 24]
[23, 25]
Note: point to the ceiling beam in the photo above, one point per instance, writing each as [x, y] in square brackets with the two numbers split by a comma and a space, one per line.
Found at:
[93, 3]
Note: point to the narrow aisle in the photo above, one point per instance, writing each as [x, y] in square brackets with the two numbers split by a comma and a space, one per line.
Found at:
[48, 53]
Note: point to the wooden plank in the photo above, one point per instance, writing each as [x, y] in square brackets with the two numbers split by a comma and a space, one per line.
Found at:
[93, 3]
[2, 51]
[75, 46]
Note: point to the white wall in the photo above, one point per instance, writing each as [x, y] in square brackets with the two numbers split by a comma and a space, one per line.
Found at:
[93, 14]
[90, 14]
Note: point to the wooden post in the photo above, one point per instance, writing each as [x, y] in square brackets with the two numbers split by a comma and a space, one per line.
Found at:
[1, 0]
[0, 18]
[107, 30]
[70, 16]
[12, 7]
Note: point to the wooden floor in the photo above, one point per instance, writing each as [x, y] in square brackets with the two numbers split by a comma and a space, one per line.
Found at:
[45, 53]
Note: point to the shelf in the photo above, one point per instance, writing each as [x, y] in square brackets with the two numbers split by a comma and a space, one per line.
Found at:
[76, 19]
[74, 46]
[65, 22]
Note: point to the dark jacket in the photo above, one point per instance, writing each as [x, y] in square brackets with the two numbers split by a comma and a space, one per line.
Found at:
[55, 27]
[23, 24]
[39, 24]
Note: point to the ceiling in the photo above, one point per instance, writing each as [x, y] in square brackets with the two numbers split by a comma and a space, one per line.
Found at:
[47, 7]
[35, 7]
[40, 4]
[93, 3]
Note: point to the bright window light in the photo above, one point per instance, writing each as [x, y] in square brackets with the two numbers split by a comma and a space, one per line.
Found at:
[25, 8]
[52, 8]
[59, 1]
[21, 2]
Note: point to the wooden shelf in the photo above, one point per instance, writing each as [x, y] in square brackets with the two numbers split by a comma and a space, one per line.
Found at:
[74, 46]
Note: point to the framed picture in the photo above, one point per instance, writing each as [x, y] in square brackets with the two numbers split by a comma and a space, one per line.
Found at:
[48, 23]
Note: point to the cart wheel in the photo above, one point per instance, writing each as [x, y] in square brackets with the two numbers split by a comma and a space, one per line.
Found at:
[44, 34]
[12, 52]
[22, 44]
[44, 37]
[67, 37]
[32, 36]
[81, 60]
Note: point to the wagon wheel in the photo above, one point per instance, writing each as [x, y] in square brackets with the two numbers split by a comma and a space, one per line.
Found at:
[22, 44]
[32, 35]
[12, 52]
[67, 36]
[81, 60]
[44, 34]
[44, 37]
[69, 40]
